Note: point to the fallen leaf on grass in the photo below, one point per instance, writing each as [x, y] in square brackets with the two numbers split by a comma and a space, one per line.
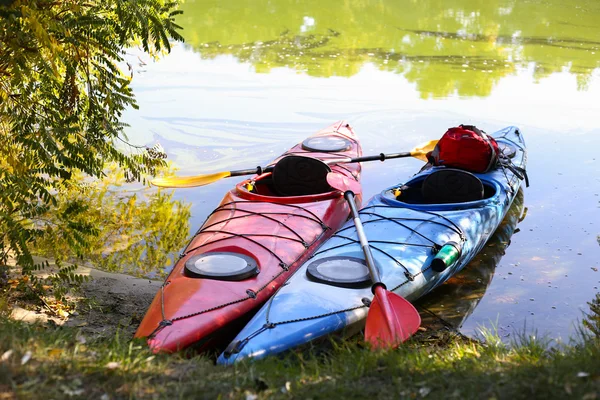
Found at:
[113, 365]
[6, 355]
[55, 352]
[6, 394]
[287, 387]
[26, 357]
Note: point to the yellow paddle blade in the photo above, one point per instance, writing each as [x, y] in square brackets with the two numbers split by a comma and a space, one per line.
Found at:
[189, 181]
[420, 152]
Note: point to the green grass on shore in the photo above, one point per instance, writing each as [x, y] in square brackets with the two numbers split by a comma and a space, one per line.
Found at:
[56, 363]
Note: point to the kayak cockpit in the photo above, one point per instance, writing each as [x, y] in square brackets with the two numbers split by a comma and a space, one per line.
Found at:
[444, 188]
[297, 178]
[263, 188]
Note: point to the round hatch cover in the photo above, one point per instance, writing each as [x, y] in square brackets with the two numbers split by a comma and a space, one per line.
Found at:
[348, 272]
[222, 266]
[326, 143]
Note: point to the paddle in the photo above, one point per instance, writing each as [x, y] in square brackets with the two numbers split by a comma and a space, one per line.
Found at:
[391, 319]
[201, 180]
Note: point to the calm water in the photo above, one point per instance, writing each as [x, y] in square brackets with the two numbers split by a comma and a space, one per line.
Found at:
[255, 77]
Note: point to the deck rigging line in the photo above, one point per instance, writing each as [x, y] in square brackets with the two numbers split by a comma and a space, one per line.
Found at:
[251, 294]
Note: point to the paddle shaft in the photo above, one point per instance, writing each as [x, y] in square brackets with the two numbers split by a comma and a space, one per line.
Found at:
[374, 272]
[258, 170]
[201, 180]
[381, 157]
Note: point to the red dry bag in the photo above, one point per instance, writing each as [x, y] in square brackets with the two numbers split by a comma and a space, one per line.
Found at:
[465, 147]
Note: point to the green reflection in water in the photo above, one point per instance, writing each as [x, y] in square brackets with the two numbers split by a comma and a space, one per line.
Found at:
[465, 47]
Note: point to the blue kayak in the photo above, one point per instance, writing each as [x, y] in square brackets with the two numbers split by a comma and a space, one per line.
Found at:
[418, 242]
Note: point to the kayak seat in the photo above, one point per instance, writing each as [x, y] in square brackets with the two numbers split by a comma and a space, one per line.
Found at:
[449, 185]
[300, 176]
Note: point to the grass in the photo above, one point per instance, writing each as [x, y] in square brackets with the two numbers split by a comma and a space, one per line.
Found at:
[54, 362]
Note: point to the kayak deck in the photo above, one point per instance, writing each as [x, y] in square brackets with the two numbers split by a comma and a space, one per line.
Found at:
[404, 238]
[246, 249]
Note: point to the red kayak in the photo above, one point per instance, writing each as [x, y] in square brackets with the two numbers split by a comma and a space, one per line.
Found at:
[261, 232]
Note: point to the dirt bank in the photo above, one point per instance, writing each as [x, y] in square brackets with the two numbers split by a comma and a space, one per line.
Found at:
[107, 303]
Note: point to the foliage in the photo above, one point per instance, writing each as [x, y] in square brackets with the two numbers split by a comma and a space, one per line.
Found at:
[136, 231]
[464, 47]
[592, 320]
[59, 363]
[62, 93]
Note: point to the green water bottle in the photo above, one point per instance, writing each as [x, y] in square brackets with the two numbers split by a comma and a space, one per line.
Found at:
[446, 257]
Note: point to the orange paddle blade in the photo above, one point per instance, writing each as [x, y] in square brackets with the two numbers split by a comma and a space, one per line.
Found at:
[421, 151]
[189, 181]
[391, 320]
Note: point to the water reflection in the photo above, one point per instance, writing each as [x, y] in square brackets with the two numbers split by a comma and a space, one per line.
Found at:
[462, 49]
[453, 302]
